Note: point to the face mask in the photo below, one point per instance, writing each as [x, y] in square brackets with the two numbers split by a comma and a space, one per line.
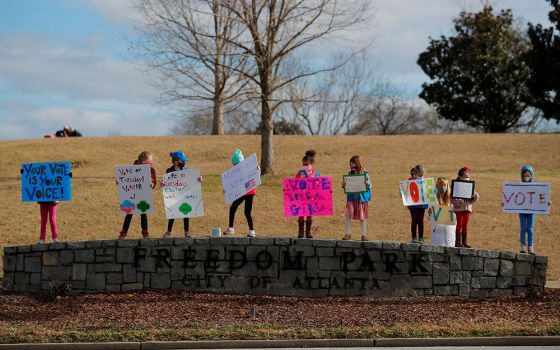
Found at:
[353, 168]
[527, 179]
[307, 168]
[181, 165]
[443, 189]
[419, 177]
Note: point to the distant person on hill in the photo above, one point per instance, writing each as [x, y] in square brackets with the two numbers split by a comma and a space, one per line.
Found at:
[463, 210]
[143, 158]
[68, 131]
[236, 158]
[357, 203]
[527, 220]
[307, 171]
[179, 160]
[417, 211]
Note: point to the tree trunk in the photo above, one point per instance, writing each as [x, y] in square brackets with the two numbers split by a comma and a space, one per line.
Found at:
[218, 121]
[267, 131]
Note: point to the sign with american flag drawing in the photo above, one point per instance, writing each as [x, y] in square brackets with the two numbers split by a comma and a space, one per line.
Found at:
[241, 179]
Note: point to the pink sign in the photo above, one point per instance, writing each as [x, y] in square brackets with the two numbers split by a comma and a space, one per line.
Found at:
[310, 196]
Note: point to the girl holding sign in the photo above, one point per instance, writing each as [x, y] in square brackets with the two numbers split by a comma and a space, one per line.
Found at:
[442, 234]
[357, 203]
[143, 158]
[463, 210]
[527, 220]
[417, 211]
[179, 160]
[236, 158]
[307, 171]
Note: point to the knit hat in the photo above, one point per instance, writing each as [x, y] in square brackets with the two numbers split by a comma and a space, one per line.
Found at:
[237, 157]
[418, 169]
[528, 168]
[178, 155]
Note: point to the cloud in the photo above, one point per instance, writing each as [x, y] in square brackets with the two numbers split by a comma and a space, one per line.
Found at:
[118, 11]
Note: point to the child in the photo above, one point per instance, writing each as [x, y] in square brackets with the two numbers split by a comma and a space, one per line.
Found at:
[236, 158]
[527, 220]
[307, 171]
[443, 235]
[178, 159]
[357, 203]
[463, 210]
[417, 211]
[143, 158]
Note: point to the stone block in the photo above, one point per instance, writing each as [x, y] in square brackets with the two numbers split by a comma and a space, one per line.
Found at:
[95, 281]
[486, 253]
[35, 278]
[114, 278]
[125, 255]
[391, 246]
[483, 282]
[454, 263]
[324, 243]
[39, 247]
[526, 258]
[127, 287]
[9, 263]
[283, 241]
[523, 268]
[508, 255]
[460, 277]
[506, 267]
[79, 272]
[109, 243]
[66, 257]
[188, 241]
[10, 250]
[94, 244]
[541, 259]
[401, 282]
[20, 262]
[324, 252]
[84, 256]
[491, 266]
[472, 263]
[432, 249]
[464, 290]
[259, 241]
[422, 282]
[503, 282]
[122, 243]
[107, 267]
[467, 252]
[440, 273]
[76, 245]
[56, 273]
[446, 290]
[57, 246]
[22, 249]
[410, 247]
[148, 242]
[129, 273]
[112, 288]
[50, 258]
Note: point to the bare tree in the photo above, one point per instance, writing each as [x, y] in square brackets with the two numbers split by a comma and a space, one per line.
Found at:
[189, 43]
[275, 30]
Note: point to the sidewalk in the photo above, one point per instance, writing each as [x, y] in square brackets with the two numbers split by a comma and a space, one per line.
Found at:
[552, 284]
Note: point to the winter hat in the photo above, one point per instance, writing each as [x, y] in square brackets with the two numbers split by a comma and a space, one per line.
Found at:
[237, 157]
[530, 170]
[178, 155]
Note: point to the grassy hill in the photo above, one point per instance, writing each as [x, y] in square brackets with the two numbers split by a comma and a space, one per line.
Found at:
[94, 214]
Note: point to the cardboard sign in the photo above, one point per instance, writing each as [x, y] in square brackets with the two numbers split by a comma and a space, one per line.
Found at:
[418, 192]
[526, 198]
[311, 196]
[462, 189]
[441, 214]
[182, 194]
[241, 179]
[355, 183]
[46, 182]
[135, 192]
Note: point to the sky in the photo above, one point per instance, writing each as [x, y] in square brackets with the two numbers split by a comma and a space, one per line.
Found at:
[68, 62]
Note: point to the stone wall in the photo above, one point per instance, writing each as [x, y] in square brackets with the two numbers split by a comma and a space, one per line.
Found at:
[274, 266]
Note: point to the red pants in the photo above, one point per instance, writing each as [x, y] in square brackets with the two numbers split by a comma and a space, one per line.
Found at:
[48, 212]
[462, 221]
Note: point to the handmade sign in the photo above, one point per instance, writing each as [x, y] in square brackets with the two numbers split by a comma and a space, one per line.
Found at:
[182, 194]
[135, 192]
[310, 196]
[355, 183]
[462, 189]
[441, 214]
[526, 198]
[46, 182]
[241, 179]
[418, 192]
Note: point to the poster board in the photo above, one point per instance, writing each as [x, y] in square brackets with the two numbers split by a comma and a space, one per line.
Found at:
[441, 214]
[461, 189]
[418, 192]
[182, 194]
[355, 183]
[310, 196]
[526, 198]
[46, 182]
[241, 179]
[134, 187]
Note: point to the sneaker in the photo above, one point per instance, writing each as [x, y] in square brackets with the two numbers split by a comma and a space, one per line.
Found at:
[364, 238]
[41, 241]
[523, 250]
[531, 251]
[229, 231]
[187, 234]
[414, 240]
[122, 234]
[55, 240]
[252, 234]
[346, 238]
[166, 234]
[145, 234]
[421, 241]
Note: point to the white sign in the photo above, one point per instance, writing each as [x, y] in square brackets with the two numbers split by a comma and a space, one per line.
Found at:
[134, 183]
[355, 183]
[182, 194]
[440, 214]
[241, 179]
[418, 192]
[526, 198]
[462, 189]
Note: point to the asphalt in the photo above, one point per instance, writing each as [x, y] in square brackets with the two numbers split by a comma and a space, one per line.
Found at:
[304, 343]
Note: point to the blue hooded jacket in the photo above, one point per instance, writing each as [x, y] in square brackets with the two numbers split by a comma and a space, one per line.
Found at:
[530, 170]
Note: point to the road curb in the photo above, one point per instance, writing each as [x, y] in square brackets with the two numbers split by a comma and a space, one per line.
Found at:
[303, 343]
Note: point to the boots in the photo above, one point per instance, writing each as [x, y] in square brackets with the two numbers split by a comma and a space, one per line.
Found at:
[458, 240]
[465, 245]
[308, 229]
[300, 227]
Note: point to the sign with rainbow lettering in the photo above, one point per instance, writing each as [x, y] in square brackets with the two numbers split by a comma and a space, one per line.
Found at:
[526, 198]
[134, 183]
[241, 179]
[418, 192]
[182, 194]
[310, 196]
[46, 182]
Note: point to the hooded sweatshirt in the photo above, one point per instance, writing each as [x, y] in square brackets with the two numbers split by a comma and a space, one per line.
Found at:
[530, 170]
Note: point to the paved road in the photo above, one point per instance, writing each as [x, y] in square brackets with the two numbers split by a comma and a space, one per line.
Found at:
[425, 348]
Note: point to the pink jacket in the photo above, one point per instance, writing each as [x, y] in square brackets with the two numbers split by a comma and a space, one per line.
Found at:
[464, 204]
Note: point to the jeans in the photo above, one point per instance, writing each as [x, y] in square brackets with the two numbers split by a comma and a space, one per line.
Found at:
[527, 221]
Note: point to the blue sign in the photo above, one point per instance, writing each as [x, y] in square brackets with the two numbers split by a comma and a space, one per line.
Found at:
[46, 182]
